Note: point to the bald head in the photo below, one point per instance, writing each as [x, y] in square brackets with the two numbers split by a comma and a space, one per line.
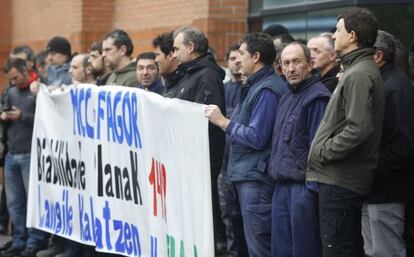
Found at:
[296, 65]
[79, 69]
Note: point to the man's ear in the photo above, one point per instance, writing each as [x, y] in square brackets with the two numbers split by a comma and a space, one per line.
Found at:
[256, 57]
[353, 37]
[170, 56]
[378, 57]
[122, 50]
[332, 56]
[190, 47]
[88, 70]
[310, 66]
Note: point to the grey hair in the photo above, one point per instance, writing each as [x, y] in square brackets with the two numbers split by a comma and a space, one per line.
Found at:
[328, 36]
[196, 36]
[386, 43]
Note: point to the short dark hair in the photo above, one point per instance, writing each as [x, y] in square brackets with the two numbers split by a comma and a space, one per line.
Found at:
[196, 36]
[363, 23]
[121, 38]
[41, 58]
[96, 46]
[85, 60]
[305, 49]
[386, 44]
[401, 57]
[27, 50]
[17, 63]
[165, 42]
[276, 30]
[233, 47]
[284, 39]
[261, 43]
[146, 56]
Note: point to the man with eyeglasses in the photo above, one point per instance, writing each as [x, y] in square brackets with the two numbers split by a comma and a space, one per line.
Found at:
[295, 228]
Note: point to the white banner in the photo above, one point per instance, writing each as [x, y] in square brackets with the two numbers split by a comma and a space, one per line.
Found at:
[122, 169]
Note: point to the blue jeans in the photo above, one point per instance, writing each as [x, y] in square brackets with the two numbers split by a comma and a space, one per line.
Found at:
[255, 200]
[16, 176]
[295, 222]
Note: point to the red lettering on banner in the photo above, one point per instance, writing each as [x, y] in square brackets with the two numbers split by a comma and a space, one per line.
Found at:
[158, 179]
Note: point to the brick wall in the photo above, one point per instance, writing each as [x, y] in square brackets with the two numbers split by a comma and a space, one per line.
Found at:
[5, 35]
[84, 21]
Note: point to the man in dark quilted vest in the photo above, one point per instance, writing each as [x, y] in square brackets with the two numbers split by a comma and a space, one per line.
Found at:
[250, 132]
[295, 226]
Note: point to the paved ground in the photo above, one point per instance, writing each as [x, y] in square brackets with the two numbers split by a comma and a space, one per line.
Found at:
[4, 239]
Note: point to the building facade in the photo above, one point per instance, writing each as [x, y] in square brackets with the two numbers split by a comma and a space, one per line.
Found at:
[34, 22]
[82, 22]
[307, 18]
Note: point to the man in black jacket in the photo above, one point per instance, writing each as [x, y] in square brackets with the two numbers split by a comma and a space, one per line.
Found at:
[202, 83]
[324, 59]
[164, 56]
[383, 214]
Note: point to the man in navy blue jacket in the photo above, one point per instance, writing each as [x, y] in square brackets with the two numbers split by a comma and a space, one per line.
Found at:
[148, 73]
[229, 205]
[295, 229]
[250, 132]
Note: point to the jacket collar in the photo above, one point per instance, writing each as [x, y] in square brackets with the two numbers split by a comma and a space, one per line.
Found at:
[304, 84]
[331, 73]
[356, 56]
[156, 84]
[132, 66]
[194, 64]
[171, 79]
[260, 74]
[386, 67]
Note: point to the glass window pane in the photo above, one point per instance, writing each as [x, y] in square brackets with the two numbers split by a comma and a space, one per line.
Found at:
[276, 3]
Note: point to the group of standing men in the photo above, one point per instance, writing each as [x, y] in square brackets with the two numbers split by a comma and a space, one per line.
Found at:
[323, 169]
[296, 155]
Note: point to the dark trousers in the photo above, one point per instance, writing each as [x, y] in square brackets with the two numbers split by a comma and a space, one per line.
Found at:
[219, 231]
[295, 226]
[255, 199]
[4, 215]
[340, 222]
[231, 216]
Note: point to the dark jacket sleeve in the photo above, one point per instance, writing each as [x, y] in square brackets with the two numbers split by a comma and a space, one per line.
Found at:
[211, 91]
[27, 118]
[398, 138]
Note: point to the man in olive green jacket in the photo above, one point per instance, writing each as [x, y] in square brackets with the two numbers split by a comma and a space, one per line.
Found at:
[117, 49]
[345, 150]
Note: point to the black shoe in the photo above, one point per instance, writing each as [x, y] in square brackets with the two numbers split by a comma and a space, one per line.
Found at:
[11, 252]
[30, 252]
[6, 245]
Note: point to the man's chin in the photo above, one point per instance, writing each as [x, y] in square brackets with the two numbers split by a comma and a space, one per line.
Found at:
[293, 82]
